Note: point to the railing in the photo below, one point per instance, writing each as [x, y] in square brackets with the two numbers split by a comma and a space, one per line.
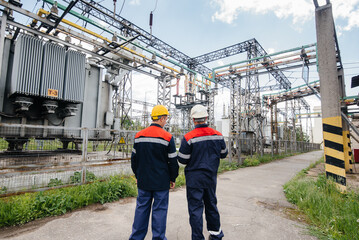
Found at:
[36, 158]
[242, 147]
[33, 161]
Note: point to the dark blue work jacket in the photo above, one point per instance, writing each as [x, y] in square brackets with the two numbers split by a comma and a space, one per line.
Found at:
[154, 159]
[201, 149]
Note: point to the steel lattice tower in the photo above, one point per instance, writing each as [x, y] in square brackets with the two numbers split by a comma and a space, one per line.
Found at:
[164, 93]
[125, 89]
[253, 117]
[235, 118]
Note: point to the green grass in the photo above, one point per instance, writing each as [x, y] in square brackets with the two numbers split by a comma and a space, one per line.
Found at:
[30, 206]
[331, 214]
[257, 159]
[225, 166]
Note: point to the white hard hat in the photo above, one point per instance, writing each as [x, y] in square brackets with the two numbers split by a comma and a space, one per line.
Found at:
[199, 111]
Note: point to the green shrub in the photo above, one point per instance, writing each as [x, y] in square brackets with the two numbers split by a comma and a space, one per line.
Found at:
[180, 180]
[3, 190]
[55, 182]
[251, 161]
[27, 207]
[76, 178]
[225, 165]
[330, 212]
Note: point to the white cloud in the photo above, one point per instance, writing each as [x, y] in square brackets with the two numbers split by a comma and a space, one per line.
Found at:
[298, 11]
[270, 50]
[220, 63]
[135, 2]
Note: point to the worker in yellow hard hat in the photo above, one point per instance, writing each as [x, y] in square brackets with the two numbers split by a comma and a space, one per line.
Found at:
[154, 163]
[158, 111]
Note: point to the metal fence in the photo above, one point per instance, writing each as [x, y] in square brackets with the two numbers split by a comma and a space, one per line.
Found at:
[35, 158]
[61, 157]
[239, 148]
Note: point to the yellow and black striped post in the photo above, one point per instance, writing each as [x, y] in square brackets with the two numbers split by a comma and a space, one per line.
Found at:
[334, 150]
[347, 152]
[332, 90]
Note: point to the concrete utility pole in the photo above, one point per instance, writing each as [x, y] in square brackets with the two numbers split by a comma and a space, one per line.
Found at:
[331, 90]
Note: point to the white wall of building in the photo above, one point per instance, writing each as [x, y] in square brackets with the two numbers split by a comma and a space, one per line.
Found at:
[223, 126]
[317, 127]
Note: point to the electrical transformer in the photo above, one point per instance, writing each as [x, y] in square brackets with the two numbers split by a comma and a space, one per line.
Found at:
[46, 84]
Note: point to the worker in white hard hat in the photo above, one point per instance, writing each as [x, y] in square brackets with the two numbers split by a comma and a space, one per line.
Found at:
[201, 150]
[154, 163]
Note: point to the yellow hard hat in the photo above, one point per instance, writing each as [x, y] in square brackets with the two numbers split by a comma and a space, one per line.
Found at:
[159, 110]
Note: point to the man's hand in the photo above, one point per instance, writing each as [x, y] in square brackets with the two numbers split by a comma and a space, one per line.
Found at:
[172, 185]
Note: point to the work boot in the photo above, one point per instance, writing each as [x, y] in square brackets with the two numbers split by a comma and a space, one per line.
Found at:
[211, 238]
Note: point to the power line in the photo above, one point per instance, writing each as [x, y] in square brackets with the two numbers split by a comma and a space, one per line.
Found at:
[155, 6]
[122, 7]
[351, 63]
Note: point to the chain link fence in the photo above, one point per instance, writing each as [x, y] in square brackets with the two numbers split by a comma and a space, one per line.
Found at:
[240, 147]
[34, 158]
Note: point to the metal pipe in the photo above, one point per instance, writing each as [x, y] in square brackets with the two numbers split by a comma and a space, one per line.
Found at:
[354, 138]
[351, 125]
[262, 67]
[292, 89]
[25, 12]
[28, 29]
[350, 97]
[2, 37]
[120, 36]
[177, 86]
[44, 12]
[257, 63]
[268, 55]
[316, 3]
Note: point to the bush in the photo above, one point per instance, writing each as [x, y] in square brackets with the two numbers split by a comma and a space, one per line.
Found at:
[251, 161]
[76, 178]
[27, 207]
[225, 165]
[55, 182]
[331, 213]
[3, 190]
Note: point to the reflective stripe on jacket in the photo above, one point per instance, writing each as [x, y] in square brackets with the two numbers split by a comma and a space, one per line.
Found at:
[154, 158]
[201, 150]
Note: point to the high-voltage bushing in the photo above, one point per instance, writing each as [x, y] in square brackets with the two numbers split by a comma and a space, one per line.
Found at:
[68, 111]
[23, 103]
[49, 106]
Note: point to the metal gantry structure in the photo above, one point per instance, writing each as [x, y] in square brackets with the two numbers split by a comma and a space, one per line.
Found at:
[247, 115]
[125, 47]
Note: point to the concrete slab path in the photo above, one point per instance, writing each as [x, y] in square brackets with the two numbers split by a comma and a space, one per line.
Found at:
[250, 200]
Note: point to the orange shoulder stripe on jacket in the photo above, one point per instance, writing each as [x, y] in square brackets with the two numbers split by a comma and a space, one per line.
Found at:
[200, 132]
[154, 131]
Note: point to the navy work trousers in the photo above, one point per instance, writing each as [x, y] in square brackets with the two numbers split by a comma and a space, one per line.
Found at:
[142, 214]
[197, 198]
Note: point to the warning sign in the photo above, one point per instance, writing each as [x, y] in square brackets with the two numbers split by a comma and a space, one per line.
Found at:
[122, 140]
[52, 92]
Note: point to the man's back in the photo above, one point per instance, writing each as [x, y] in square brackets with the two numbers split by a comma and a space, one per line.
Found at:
[201, 149]
[154, 158]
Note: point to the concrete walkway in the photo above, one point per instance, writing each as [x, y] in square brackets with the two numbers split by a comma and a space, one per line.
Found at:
[250, 200]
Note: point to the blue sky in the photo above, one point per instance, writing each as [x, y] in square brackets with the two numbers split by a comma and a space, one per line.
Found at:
[196, 27]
